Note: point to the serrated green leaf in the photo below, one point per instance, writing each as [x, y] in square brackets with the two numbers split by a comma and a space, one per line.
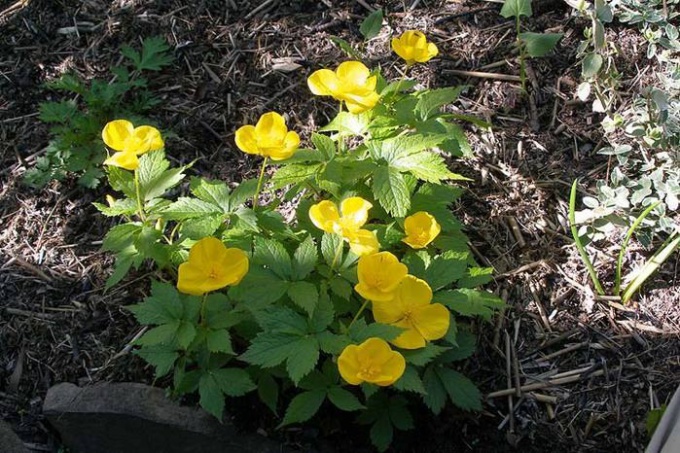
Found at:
[122, 181]
[516, 8]
[394, 148]
[154, 55]
[188, 208]
[154, 177]
[331, 249]
[381, 433]
[219, 341]
[121, 207]
[304, 259]
[430, 101]
[213, 192]
[391, 191]
[331, 343]
[259, 288]
[476, 276]
[165, 334]
[435, 396]
[539, 44]
[162, 307]
[200, 227]
[268, 391]
[273, 255]
[461, 390]
[410, 381]
[325, 145]
[304, 295]
[303, 407]
[271, 349]
[351, 123]
[360, 332]
[282, 320]
[344, 399]
[446, 269]
[162, 358]
[233, 381]
[323, 314]
[345, 47]
[426, 166]
[212, 399]
[121, 236]
[370, 27]
[294, 174]
[465, 346]
[304, 360]
[423, 356]
[186, 332]
[241, 193]
[469, 302]
[341, 287]
[57, 112]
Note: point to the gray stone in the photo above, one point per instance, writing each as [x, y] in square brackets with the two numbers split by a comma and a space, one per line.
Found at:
[136, 418]
[10, 442]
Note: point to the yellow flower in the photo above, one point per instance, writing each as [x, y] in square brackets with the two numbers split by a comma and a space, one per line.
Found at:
[351, 82]
[421, 228]
[372, 361]
[129, 142]
[326, 217]
[268, 138]
[411, 309]
[379, 276]
[413, 47]
[211, 266]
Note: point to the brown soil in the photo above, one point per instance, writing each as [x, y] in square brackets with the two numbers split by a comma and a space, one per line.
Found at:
[57, 324]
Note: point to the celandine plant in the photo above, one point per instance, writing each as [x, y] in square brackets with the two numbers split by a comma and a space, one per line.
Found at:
[359, 302]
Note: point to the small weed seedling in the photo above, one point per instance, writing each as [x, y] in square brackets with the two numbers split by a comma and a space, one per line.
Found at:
[529, 44]
[75, 146]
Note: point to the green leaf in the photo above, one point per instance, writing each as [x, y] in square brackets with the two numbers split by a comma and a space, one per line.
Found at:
[461, 390]
[162, 358]
[188, 208]
[304, 360]
[330, 243]
[303, 407]
[325, 145]
[121, 236]
[344, 399]
[653, 419]
[539, 44]
[476, 276]
[212, 399]
[233, 381]
[390, 189]
[243, 192]
[516, 8]
[381, 433]
[213, 192]
[162, 307]
[304, 295]
[268, 350]
[304, 259]
[122, 181]
[410, 381]
[469, 302]
[219, 341]
[392, 149]
[282, 320]
[465, 346]
[154, 177]
[200, 227]
[154, 55]
[430, 101]
[341, 287]
[371, 26]
[260, 287]
[186, 332]
[591, 65]
[57, 112]
[268, 391]
[426, 166]
[272, 255]
[360, 332]
[165, 334]
[435, 396]
[423, 356]
[121, 207]
[294, 174]
[351, 123]
[446, 269]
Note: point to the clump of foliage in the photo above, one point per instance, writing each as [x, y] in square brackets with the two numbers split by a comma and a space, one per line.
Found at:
[75, 147]
[360, 302]
[530, 44]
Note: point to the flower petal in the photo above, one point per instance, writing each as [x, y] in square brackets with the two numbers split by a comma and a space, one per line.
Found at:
[246, 139]
[206, 251]
[355, 211]
[414, 291]
[364, 242]
[149, 138]
[191, 279]
[116, 133]
[432, 50]
[128, 161]
[392, 369]
[349, 366]
[324, 215]
[271, 129]
[323, 82]
[411, 338]
[234, 264]
[352, 73]
[432, 321]
[379, 275]
[290, 144]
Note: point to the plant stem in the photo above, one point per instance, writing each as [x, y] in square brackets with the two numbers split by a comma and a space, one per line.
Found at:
[522, 56]
[577, 241]
[256, 198]
[629, 234]
[203, 305]
[651, 266]
[361, 310]
[140, 210]
[338, 252]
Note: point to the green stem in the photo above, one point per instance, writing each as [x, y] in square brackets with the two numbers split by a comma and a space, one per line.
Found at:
[522, 56]
[256, 198]
[577, 241]
[624, 246]
[203, 305]
[140, 210]
[361, 310]
[338, 252]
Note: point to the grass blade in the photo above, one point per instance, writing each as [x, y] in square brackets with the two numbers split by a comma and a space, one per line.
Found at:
[651, 266]
[579, 244]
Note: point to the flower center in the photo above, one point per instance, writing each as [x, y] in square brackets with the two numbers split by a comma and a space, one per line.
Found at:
[369, 372]
[213, 274]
